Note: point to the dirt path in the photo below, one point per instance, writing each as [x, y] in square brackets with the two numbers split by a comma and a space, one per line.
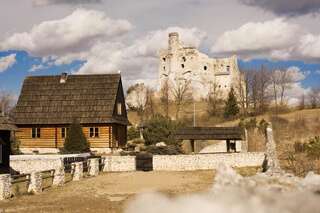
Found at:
[108, 192]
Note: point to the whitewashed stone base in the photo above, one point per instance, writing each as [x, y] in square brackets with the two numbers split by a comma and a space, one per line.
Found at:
[5, 184]
[119, 164]
[94, 167]
[35, 185]
[205, 161]
[58, 179]
[78, 171]
[220, 147]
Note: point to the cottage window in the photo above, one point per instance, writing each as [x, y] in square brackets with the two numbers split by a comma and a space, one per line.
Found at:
[119, 108]
[64, 132]
[94, 132]
[36, 133]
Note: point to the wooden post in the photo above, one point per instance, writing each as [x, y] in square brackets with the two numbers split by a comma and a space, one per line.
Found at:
[228, 145]
[5, 151]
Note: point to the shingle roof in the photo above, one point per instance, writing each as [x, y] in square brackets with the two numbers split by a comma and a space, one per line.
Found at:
[210, 133]
[88, 98]
[7, 124]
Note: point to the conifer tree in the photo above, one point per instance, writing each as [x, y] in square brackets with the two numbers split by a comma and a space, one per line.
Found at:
[231, 108]
[76, 141]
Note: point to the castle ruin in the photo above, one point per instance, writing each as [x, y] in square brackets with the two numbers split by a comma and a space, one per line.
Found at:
[186, 65]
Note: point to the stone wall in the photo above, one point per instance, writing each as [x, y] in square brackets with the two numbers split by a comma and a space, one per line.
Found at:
[205, 161]
[119, 164]
[32, 163]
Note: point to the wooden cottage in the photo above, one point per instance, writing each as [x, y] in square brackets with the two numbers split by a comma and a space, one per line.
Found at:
[48, 104]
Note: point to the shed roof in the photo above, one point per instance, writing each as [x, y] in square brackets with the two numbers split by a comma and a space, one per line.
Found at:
[209, 133]
[7, 124]
[88, 98]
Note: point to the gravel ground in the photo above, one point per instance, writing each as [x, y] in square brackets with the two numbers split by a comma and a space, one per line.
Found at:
[109, 192]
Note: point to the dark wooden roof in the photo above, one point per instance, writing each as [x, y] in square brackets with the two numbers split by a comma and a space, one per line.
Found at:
[89, 98]
[7, 124]
[209, 133]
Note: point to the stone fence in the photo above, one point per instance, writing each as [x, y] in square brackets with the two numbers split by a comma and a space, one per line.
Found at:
[32, 163]
[206, 161]
[35, 165]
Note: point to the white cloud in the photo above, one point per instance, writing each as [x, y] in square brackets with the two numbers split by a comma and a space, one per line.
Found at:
[258, 38]
[296, 74]
[49, 2]
[275, 39]
[72, 34]
[309, 46]
[286, 7]
[138, 60]
[37, 67]
[101, 42]
[295, 92]
[7, 61]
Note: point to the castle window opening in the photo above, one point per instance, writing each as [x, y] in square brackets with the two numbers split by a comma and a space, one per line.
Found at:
[184, 59]
[164, 68]
[228, 68]
[182, 65]
[164, 59]
[205, 67]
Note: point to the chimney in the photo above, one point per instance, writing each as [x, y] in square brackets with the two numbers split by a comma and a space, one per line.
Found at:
[63, 77]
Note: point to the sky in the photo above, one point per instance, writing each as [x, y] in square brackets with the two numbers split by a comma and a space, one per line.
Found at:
[46, 37]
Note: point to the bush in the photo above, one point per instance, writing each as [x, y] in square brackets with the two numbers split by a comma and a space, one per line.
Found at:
[231, 109]
[313, 148]
[160, 129]
[133, 133]
[164, 150]
[75, 142]
[248, 124]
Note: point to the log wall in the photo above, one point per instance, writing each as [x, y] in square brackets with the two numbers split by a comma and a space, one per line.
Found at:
[51, 137]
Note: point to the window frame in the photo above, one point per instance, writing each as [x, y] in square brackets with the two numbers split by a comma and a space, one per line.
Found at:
[35, 132]
[94, 132]
[64, 131]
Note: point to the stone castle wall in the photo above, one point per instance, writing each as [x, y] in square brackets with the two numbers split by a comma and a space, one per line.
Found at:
[179, 64]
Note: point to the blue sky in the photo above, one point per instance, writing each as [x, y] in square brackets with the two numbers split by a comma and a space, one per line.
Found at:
[104, 36]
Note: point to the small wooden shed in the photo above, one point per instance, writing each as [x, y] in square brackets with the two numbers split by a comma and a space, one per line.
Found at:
[228, 134]
[6, 127]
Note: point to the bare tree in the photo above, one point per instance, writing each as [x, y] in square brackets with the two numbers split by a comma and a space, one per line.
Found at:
[302, 103]
[263, 81]
[164, 98]
[258, 82]
[274, 78]
[181, 94]
[314, 97]
[214, 99]
[137, 99]
[7, 100]
[286, 81]
[149, 105]
[242, 91]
